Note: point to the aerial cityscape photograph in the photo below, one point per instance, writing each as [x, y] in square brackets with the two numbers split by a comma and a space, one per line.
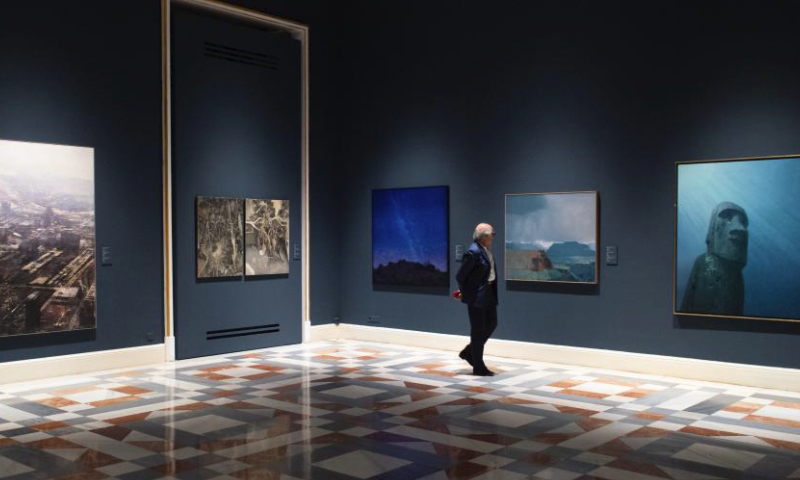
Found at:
[47, 238]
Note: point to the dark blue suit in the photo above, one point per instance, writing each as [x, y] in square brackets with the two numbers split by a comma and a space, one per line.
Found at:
[481, 299]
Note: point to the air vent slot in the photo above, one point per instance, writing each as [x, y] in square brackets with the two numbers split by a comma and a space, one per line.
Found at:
[238, 55]
[243, 331]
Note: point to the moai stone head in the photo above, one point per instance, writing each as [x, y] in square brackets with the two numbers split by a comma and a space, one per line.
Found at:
[727, 233]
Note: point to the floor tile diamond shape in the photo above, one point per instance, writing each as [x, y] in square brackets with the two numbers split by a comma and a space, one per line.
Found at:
[387, 410]
[719, 456]
[205, 424]
[600, 387]
[362, 464]
[9, 468]
[353, 391]
[505, 418]
[95, 396]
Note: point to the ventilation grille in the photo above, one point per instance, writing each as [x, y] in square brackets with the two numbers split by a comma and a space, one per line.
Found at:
[238, 55]
[243, 331]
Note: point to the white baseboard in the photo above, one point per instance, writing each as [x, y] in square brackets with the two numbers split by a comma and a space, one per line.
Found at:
[306, 331]
[80, 363]
[169, 348]
[324, 333]
[640, 363]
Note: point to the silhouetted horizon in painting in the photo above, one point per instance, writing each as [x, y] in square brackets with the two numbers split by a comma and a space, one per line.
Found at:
[410, 237]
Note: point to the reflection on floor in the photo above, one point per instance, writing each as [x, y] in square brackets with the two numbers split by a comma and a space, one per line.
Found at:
[351, 410]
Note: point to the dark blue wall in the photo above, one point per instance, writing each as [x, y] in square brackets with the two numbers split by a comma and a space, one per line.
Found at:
[487, 98]
[323, 18]
[512, 97]
[86, 73]
[325, 22]
[78, 73]
[237, 134]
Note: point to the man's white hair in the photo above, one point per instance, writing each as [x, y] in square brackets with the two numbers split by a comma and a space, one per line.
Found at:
[482, 230]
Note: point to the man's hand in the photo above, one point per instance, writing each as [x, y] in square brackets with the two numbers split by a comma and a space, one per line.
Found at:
[456, 295]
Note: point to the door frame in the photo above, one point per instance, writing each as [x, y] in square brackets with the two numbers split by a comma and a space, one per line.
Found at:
[300, 32]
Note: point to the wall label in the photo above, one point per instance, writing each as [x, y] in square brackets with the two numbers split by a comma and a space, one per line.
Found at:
[459, 253]
[612, 257]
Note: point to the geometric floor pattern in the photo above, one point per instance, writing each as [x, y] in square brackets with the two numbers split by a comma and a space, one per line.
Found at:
[352, 410]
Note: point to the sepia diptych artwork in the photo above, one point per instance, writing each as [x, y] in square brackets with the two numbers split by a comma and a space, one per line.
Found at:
[736, 240]
[220, 237]
[410, 236]
[266, 237]
[47, 238]
[552, 237]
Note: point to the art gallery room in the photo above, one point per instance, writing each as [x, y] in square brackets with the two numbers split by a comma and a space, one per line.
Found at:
[399, 240]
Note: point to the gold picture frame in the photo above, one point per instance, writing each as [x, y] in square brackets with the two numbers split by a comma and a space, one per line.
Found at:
[676, 237]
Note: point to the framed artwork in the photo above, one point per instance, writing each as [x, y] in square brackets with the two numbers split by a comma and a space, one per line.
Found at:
[410, 237]
[266, 237]
[552, 237]
[47, 238]
[737, 226]
[220, 237]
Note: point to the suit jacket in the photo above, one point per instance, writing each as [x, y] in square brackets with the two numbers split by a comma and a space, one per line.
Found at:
[473, 279]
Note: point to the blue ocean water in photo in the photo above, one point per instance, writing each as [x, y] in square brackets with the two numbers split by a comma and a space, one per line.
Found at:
[769, 192]
[410, 224]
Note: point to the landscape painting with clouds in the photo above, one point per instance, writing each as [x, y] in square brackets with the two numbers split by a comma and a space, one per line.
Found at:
[552, 237]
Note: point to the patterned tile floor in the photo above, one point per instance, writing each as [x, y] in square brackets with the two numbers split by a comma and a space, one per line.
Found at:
[343, 411]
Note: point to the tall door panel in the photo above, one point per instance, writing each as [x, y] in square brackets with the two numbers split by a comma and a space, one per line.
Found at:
[236, 103]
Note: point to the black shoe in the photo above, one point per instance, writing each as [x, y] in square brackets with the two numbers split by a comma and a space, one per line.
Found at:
[463, 356]
[484, 372]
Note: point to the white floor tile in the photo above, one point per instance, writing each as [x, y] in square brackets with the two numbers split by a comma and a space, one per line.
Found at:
[9, 468]
[353, 391]
[362, 464]
[205, 424]
[719, 456]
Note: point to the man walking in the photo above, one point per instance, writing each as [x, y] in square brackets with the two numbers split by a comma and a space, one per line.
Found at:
[477, 283]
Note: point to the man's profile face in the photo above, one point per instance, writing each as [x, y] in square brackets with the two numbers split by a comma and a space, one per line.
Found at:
[487, 239]
[730, 235]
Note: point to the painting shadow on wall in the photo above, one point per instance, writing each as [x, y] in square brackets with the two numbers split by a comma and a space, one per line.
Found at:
[276, 276]
[412, 289]
[23, 342]
[688, 322]
[218, 279]
[558, 288]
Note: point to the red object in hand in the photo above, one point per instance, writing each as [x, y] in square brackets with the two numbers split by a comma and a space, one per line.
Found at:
[456, 295]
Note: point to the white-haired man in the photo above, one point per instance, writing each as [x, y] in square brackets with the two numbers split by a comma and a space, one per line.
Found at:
[477, 287]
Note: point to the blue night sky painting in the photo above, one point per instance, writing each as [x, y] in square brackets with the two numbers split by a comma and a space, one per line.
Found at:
[410, 236]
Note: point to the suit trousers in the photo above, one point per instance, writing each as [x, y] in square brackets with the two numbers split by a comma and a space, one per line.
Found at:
[482, 323]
